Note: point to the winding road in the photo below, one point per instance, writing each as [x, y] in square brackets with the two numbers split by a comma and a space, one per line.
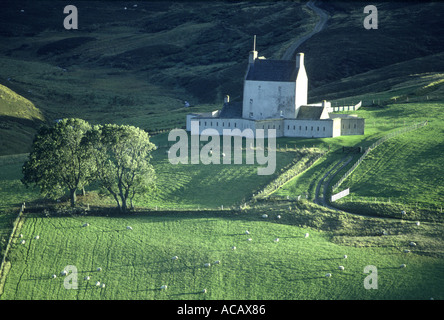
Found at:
[320, 25]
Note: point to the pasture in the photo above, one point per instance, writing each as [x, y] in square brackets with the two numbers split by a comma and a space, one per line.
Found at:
[136, 263]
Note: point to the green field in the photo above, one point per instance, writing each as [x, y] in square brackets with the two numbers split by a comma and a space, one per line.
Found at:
[136, 263]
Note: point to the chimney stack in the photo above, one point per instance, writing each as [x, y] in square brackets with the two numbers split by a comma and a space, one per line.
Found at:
[253, 54]
[300, 60]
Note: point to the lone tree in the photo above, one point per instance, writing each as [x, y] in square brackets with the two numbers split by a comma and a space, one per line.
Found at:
[122, 157]
[60, 159]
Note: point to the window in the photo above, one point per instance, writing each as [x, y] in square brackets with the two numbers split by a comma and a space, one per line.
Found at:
[235, 124]
[318, 128]
[211, 123]
[288, 128]
[200, 123]
[306, 128]
[323, 129]
[251, 114]
[223, 124]
[205, 123]
[311, 128]
[217, 124]
[229, 124]
[355, 126]
[300, 128]
[294, 127]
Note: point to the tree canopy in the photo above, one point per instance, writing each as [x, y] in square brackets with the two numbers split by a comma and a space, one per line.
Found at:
[72, 154]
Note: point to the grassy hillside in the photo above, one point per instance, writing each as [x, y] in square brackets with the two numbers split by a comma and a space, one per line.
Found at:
[19, 119]
[136, 263]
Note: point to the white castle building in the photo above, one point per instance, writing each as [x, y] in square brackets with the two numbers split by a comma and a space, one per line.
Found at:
[275, 97]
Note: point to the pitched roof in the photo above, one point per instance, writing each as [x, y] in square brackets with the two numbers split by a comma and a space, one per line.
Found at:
[231, 110]
[273, 70]
[309, 113]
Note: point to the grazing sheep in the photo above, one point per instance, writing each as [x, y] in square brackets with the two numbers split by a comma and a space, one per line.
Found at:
[345, 256]
[99, 269]
[207, 265]
[406, 251]
[129, 228]
[403, 265]
[21, 235]
[233, 248]
[64, 273]
[97, 283]
[418, 223]
[341, 268]
[54, 276]
[37, 237]
[247, 232]
[412, 244]
[217, 262]
[249, 239]
[403, 212]
[278, 216]
[87, 278]
[174, 258]
[223, 154]
[204, 291]
[86, 225]
[328, 275]
[276, 240]
[103, 285]
[164, 287]
[23, 242]
[306, 235]
[265, 216]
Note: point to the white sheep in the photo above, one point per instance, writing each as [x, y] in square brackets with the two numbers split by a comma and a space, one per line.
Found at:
[99, 269]
[37, 237]
[103, 285]
[174, 258]
[54, 276]
[306, 235]
[233, 248]
[64, 273]
[341, 268]
[97, 283]
[278, 216]
[265, 216]
[207, 265]
[345, 256]
[217, 262]
[223, 154]
[276, 240]
[247, 232]
[328, 275]
[406, 251]
[86, 224]
[204, 291]
[418, 223]
[129, 228]
[249, 239]
[87, 278]
[23, 242]
[164, 287]
[21, 235]
[412, 244]
[403, 265]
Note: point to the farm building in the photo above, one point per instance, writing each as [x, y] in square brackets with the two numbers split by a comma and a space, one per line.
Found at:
[275, 97]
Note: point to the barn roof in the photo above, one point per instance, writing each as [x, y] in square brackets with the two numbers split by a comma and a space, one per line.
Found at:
[273, 70]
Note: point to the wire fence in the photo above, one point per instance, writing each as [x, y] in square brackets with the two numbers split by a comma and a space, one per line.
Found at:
[374, 145]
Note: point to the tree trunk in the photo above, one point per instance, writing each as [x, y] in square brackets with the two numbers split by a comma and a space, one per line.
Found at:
[73, 197]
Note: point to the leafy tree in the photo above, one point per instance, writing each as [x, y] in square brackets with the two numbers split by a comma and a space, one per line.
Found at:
[60, 160]
[122, 155]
